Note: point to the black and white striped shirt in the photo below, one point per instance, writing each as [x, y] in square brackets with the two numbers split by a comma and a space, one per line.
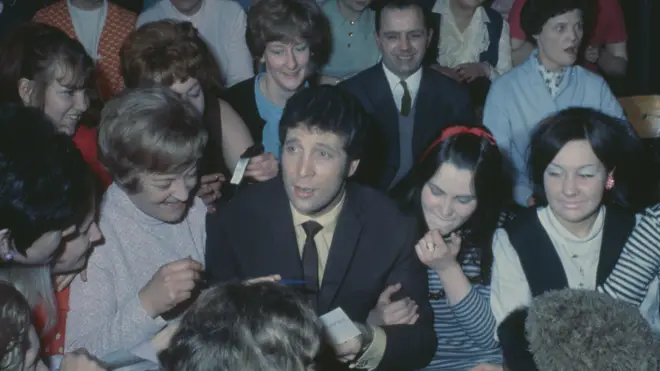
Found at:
[639, 262]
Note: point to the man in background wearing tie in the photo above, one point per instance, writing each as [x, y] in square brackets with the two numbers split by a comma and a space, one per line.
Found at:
[345, 241]
[411, 104]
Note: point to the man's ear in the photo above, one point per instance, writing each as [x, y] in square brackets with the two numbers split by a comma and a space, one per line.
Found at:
[352, 167]
[429, 38]
[26, 91]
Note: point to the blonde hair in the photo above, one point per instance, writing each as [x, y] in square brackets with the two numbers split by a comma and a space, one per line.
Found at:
[149, 130]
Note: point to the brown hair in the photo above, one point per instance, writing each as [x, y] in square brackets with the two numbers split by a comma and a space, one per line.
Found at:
[165, 52]
[149, 130]
[233, 326]
[289, 21]
[42, 54]
[15, 324]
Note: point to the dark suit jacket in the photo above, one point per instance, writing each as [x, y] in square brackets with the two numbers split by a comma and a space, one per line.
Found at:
[253, 236]
[440, 102]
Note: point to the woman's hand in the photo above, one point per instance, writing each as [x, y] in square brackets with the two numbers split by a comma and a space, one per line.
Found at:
[469, 72]
[209, 189]
[435, 253]
[172, 284]
[388, 312]
[449, 72]
[263, 167]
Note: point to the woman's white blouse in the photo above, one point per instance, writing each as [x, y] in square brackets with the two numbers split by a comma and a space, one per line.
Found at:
[456, 47]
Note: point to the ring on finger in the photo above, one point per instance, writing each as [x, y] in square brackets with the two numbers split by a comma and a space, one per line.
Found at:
[431, 246]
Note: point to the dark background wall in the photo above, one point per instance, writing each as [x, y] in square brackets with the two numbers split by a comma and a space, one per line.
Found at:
[643, 45]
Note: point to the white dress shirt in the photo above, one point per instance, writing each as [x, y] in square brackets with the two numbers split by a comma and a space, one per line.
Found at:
[222, 24]
[456, 47]
[396, 88]
[579, 257]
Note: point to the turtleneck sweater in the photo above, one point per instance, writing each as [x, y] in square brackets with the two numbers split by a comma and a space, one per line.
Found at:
[105, 313]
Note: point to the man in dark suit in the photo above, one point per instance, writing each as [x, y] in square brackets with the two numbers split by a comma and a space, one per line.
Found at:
[346, 241]
[410, 104]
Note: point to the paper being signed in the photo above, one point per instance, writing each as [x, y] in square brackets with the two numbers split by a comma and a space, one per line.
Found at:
[339, 327]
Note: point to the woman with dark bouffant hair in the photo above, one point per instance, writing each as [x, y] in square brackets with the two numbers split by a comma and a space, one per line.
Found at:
[456, 190]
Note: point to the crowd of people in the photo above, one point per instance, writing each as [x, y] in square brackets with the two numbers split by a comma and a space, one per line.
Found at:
[201, 186]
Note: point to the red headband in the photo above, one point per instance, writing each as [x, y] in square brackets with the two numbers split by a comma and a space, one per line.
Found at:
[455, 130]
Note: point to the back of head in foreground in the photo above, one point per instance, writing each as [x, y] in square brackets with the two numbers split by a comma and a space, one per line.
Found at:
[258, 327]
[584, 330]
[15, 328]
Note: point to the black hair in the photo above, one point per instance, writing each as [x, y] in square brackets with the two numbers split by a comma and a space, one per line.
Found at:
[482, 157]
[612, 140]
[383, 5]
[328, 109]
[45, 185]
[536, 13]
[513, 341]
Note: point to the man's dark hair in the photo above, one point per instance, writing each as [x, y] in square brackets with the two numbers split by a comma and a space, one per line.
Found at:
[328, 109]
[400, 5]
[259, 327]
[45, 185]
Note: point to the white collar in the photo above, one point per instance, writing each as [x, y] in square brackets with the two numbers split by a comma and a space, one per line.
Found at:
[413, 80]
[595, 231]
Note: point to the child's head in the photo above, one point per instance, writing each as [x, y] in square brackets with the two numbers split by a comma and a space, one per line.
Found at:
[19, 345]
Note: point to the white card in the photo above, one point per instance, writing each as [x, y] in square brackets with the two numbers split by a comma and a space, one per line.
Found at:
[339, 327]
[239, 171]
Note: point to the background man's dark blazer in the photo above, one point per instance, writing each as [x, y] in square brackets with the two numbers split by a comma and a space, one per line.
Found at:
[372, 247]
[440, 102]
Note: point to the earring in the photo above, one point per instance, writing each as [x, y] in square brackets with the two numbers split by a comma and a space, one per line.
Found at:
[609, 183]
[7, 257]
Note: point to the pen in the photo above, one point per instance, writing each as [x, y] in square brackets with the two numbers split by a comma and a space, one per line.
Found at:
[293, 282]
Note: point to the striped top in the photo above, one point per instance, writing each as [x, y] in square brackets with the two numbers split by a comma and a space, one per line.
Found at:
[639, 262]
[465, 331]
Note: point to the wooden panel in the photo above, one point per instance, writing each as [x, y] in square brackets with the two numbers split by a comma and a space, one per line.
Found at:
[643, 112]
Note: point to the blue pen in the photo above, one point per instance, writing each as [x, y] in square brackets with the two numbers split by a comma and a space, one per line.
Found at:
[293, 282]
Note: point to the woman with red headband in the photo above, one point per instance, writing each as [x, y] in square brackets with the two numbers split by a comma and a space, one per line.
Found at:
[456, 190]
